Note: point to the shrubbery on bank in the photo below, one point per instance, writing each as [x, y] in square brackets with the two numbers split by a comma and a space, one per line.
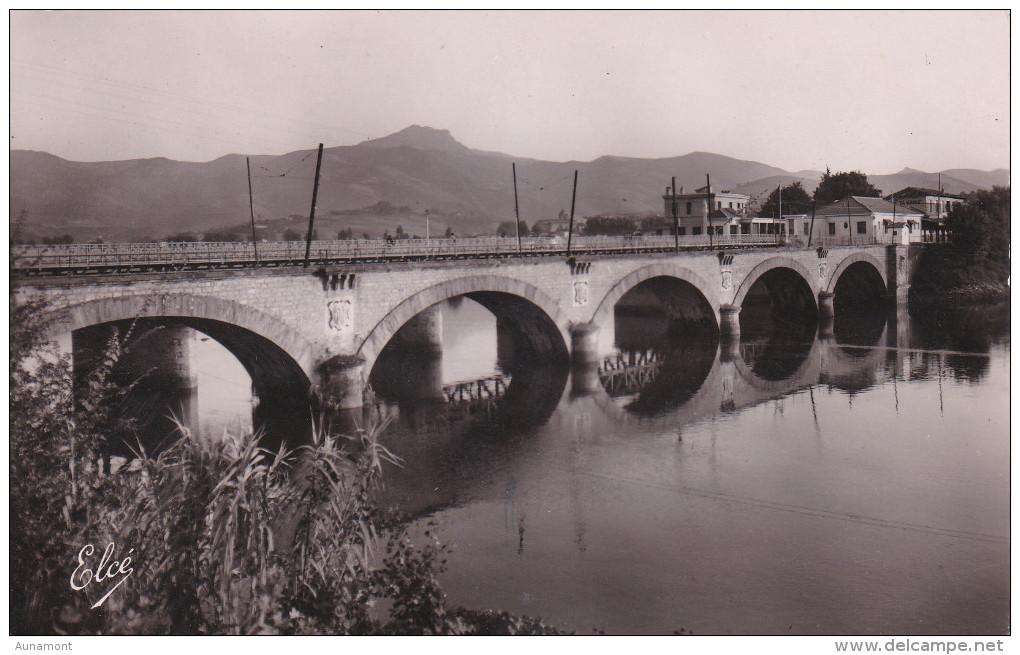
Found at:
[224, 537]
[975, 266]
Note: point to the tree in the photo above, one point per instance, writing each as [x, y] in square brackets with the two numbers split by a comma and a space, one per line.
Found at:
[795, 201]
[610, 225]
[400, 232]
[346, 233]
[225, 235]
[981, 227]
[185, 237]
[290, 234]
[58, 240]
[507, 229]
[838, 186]
[449, 232]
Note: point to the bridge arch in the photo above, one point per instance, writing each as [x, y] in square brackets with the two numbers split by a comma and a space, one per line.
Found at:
[770, 264]
[277, 359]
[189, 308]
[498, 294]
[604, 311]
[849, 261]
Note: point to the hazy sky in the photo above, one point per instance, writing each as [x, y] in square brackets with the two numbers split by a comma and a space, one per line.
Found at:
[874, 91]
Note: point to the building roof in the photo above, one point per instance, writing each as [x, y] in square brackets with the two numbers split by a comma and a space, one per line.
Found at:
[916, 192]
[865, 205]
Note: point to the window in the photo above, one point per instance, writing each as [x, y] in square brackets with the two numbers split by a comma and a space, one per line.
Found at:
[832, 229]
[696, 230]
[688, 209]
[683, 230]
[718, 204]
[862, 227]
[805, 227]
[731, 205]
[734, 228]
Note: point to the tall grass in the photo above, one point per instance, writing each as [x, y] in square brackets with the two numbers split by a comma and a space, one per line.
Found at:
[225, 537]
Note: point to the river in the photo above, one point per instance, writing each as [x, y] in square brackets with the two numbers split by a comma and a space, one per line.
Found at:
[851, 484]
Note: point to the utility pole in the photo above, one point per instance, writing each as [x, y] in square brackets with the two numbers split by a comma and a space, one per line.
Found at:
[708, 206]
[573, 199]
[251, 208]
[780, 190]
[311, 214]
[811, 230]
[676, 219]
[517, 209]
[849, 222]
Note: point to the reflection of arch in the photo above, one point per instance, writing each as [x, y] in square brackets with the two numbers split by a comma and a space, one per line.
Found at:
[850, 372]
[503, 296]
[605, 309]
[806, 374]
[770, 264]
[851, 259]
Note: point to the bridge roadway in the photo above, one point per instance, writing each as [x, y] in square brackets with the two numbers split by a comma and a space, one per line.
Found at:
[91, 259]
[316, 332]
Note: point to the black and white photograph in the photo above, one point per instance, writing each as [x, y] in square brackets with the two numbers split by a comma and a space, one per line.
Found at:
[672, 323]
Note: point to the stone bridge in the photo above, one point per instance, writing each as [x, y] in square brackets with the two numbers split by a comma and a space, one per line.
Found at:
[317, 332]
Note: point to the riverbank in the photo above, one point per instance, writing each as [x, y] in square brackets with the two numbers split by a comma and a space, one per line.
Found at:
[950, 277]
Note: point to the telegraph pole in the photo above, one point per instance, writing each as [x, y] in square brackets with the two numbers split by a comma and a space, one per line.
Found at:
[780, 189]
[251, 207]
[676, 219]
[311, 214]
[811, 230]
[573, 199]
[517, 209]
[708, 206]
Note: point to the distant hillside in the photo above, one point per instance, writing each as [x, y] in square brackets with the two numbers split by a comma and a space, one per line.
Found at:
[418, 169]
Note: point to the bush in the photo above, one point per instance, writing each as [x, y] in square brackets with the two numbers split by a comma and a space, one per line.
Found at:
[224, 537]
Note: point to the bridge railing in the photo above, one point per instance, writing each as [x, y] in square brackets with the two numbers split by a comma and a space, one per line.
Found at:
[190, 254]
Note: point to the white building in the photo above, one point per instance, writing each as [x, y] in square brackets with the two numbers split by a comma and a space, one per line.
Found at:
[705, 209]
[934, 205]
[860, 219]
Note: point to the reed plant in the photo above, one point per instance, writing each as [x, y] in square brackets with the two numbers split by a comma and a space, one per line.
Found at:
[225, 536]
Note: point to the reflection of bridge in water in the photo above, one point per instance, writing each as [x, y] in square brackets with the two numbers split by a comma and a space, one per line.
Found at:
[627, 373]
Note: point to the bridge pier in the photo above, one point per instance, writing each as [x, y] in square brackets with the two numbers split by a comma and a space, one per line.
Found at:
[826, 307]
[423, 333]
[158, 365]
[729, 349]
[584, 343]
[729, 321]
[584, 378]
[342, 383]
[826, 314]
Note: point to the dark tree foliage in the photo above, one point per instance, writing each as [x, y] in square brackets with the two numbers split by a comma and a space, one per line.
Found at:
[795, 201]
[975, 264]
[225, 235]
[838, 186]
[609, 225]
[507, 229]
[182, 237]
[346, 233]
[980, 229]
[58, 240]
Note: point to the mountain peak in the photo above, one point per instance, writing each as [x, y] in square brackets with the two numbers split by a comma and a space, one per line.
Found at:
[420, 137]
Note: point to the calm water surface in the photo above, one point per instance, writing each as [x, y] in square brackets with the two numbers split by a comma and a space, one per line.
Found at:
[852, 484]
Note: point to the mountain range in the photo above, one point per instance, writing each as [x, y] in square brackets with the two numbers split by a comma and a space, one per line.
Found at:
[416, 176]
